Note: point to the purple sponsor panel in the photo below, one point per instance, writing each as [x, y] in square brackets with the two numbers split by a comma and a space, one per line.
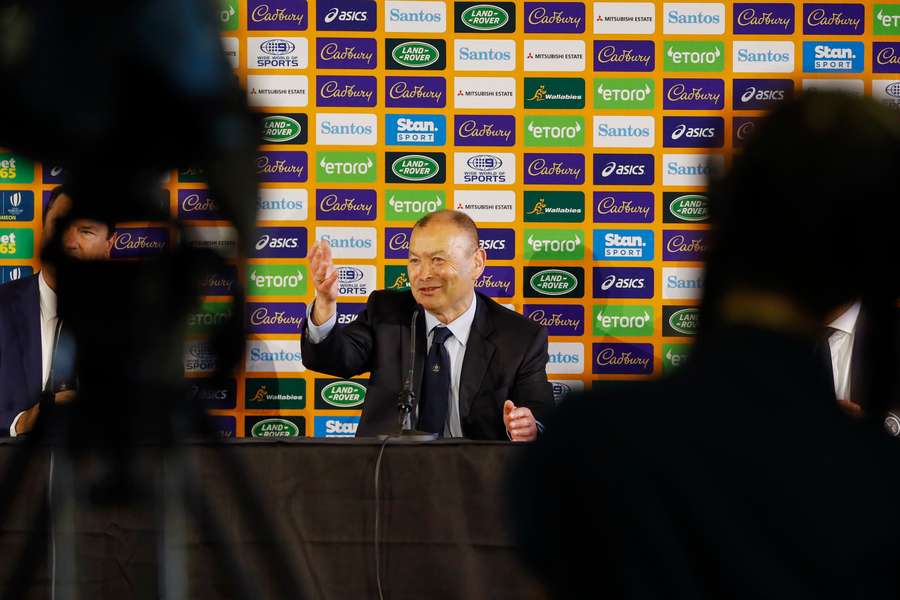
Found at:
[886, 57]
[621, 55]
[554, 17]
[498, 244]
[760, 94]
[346, 205]
[693, 94]
[396, 242]
[279, 242]
[277, 15]
[497, 282]
[346, 15]
[763, 18]
[623, 169]
[623, 207]
[684, 244]
[834, 19]
[346, 90]
[54, 174]
[623, 282]
[275, 317]
[138, 242]
[559, 319]
[554, 169]
[220, 283]
[222, 426]
[196, 205]
[485, 130]
[346, 53]
[622, 359]
[693, 132]
[742, 129]
[415, 92]
[348, 311]
[281, 167]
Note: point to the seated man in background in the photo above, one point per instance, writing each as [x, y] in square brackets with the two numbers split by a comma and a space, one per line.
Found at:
[29, 327]
[739, 476]
[484, 375]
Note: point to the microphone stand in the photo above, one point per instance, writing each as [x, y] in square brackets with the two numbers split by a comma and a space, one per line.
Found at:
[407, 396]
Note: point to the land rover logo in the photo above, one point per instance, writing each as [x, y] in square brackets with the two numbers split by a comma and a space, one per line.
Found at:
[685, 321]
[278, 128]
[553, 282]
[275, 428]
[690, 207]
[344, 394]
[415, 54]
[415, 167]
[484, 17]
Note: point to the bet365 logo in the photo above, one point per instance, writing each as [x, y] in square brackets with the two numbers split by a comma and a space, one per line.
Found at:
[15, 169]
[16, 243]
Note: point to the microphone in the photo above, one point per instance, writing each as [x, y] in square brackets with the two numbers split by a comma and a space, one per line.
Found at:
[407, 395]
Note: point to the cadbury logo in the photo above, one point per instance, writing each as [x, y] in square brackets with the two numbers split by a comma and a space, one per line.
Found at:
[608, 54]
[472, 129]
[278, 167]
[264, 14]
[750, 17]
[331, 203]
[540, 167]
[333, 52]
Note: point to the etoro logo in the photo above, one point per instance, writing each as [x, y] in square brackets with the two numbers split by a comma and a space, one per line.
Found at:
[351, 167]
[415, 168]
[556, 244]
[554, 131]
[694, 56]
[623, 321]
[624, 94]
[343, 394]
[412, 205]
[674, 356]
[887, 19]
[276, 280]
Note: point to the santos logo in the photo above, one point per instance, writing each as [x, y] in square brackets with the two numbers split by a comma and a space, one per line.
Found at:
[491, 169]
[680, 283]
[623, 244]
[693, 17]
[349, 242]
[833, 57]
[346, 129]
[430, 17]
[763, 57]
[277, 53]
[274, 356]
[565, 357]
[485, 55]
[624, 132]
[690, 169]
[282, 205]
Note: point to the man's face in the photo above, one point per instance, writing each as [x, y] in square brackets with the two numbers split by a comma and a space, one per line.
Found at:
[83, 239]
[443, 267]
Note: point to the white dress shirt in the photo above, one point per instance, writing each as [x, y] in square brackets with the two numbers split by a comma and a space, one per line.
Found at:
[48, 332]
[841, 344]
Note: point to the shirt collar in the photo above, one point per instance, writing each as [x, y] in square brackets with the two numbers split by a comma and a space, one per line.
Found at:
[847, 321]
[460, 326]
[47, 298]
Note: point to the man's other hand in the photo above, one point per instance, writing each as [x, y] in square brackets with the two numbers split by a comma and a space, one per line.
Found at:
[520, 423]
[325, 280]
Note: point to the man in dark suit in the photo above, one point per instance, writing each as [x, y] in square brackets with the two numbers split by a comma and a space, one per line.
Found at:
[485, 378]
[29, 326]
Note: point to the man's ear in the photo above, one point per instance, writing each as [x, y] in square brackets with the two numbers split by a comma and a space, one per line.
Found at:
[480, 260]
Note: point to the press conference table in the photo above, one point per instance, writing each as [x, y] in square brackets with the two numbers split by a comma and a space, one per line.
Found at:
[444, 529]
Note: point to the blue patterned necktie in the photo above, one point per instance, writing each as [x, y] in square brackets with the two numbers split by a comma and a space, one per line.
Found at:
[436, 384]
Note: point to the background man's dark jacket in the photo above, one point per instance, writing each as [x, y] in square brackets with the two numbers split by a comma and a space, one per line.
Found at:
[505, 359]
[20, 348]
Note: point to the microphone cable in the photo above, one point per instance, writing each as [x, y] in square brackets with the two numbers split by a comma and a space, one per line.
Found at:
[377, 541]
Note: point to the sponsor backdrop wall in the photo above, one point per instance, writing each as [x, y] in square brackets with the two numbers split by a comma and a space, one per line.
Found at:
[577, 135]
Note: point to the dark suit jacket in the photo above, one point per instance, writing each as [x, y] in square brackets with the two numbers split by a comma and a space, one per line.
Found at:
[738, 477]
[20, 349]
[506, 357]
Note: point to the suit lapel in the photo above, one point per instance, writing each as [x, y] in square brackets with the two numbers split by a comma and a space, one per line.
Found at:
[479, 352]
[27, 323]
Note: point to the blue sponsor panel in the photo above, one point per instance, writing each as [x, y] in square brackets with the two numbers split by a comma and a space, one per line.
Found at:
[833, 57]
[15, 272]
[623, 169]
[415, 130]
[16, 205]
[335, 426]
[623, 244]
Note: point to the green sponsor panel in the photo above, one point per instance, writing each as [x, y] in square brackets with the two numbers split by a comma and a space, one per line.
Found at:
[340, 394]
[611, 320]
[228, 15]
[694, 57]
[673, 356]
[192, 175]
[208, 316]
[412, 205]
[554, 207]
[396, 278]
[555, 131]
[626, 93]
[277, 280]
[887, 19]
[554, 92]
[16, 243]
[553, 244]
[271, 393]
[15, 168]
[345, 167]
[274, 427]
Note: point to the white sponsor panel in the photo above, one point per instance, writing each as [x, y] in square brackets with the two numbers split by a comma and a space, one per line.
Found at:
[484, 55]
[624, 18]
[278, 90]
[762, 57]
[848, 86]
[231, 47]
[221, 239]
[486, 206]
[346, 129]
[274, 356]
[682, 283]
[565, 357]
[624, 132]
[414, 17]
[693, 18]
[484, 92]
[282, 204]
[349, 242]
[484, 168]
[554, 55]
[564, 387]
[691, 169]
[277, 53]
[198, 357]
[356, 280]
[886, 91]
